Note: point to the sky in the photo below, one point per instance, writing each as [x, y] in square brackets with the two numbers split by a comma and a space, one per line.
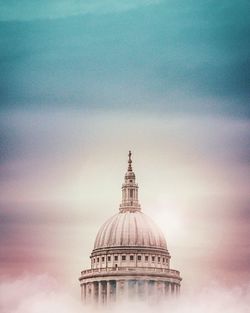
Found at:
[83, 82]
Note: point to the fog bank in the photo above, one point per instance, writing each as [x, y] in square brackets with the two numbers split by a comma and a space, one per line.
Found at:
[40, 294]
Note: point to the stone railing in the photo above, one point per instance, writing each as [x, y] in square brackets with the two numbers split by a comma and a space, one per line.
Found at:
[129, 270]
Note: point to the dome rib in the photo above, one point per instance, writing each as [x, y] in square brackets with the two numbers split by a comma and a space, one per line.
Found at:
[130, 229]
[136, 231]
[106, 225]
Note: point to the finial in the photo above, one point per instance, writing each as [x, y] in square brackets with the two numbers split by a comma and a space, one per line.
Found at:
[129, 190]
[129, 161]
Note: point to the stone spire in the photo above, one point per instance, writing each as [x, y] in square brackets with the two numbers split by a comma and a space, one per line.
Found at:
[129, 190]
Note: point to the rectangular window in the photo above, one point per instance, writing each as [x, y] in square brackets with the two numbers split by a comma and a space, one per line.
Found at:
[159, 259]
[163, 260]
[131, 193]
[123, 257]
[146, 258]
[94, 260]
[131, 258]
[139, 257]
[153, 258]
[97, 260]
[109, 258]
[103, 259]
[116, 257]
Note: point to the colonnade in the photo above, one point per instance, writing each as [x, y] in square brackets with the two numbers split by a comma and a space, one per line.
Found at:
[109, 291]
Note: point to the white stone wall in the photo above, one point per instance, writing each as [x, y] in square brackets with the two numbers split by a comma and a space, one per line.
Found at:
[139, 260]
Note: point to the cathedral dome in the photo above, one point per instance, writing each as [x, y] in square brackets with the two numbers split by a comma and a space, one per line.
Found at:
[130, 259]
[130, 228]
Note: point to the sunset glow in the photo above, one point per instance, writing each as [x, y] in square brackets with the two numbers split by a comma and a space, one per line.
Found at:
[84, 83]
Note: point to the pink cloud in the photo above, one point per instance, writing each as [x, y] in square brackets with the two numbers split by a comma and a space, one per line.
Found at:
[43, 294]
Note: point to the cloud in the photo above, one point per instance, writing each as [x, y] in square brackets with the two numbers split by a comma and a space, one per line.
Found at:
[191, 169]
[42, 294]
[35, 294]
[30, 10]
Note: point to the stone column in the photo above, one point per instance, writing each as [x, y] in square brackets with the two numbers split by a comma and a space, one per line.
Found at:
[87, 293]
[92, 293]
[146, 290]
[132, 289]
[155, 289]
[161, 289]
[83, 293]
[125, 295]
[118, 291]
[115, 292]
[153, 295]
[141, 289]
[177, 290]
[150, 290]
[136, 289]
[121, 290]
[104, 291]
[108, 292]
[166, 288]
[113, 286]
[99, 295]
[172, 288]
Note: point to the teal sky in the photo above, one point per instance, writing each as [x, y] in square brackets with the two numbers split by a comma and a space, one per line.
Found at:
[83, 82]
[176, 56]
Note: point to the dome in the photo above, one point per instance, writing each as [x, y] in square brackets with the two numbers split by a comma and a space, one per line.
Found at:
[130, 228]
[130, 260]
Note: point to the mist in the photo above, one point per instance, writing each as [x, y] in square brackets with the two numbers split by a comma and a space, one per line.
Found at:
[43, 293]
[82, 83]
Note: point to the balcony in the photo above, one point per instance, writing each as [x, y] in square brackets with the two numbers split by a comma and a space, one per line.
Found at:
[116, 271]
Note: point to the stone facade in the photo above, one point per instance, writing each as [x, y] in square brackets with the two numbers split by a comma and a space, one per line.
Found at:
[130, 259]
